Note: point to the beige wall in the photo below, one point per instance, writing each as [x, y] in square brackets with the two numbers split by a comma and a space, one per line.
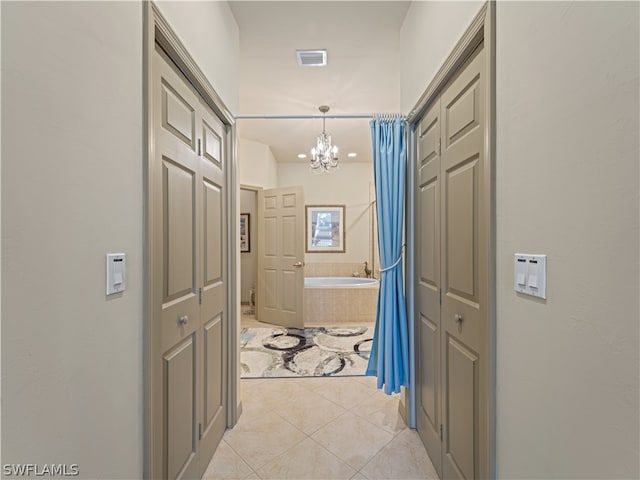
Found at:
[0, 242]
[209, 32]
[566, 186]
[428, 34]
[72, 190]
[257, 165]
[348, 186]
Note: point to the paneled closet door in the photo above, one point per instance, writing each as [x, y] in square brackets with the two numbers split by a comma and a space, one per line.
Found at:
[451, 401]
[428, 394]
[213, 283]
[464, 261]
[187, 179]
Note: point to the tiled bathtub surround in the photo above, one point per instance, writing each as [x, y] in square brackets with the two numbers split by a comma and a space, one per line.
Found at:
[335, 269]
[332, 305]
[325, 306]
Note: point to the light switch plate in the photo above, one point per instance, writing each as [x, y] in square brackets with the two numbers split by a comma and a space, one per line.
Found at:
[116, 273]
[530, 274]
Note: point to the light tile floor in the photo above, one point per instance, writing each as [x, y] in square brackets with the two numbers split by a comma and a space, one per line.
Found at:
[319, 428]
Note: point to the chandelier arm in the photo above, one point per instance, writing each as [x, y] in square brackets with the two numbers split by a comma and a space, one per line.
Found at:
[324, 156]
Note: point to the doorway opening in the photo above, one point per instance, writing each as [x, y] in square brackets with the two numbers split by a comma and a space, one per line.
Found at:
[337, 289]
[325, 426]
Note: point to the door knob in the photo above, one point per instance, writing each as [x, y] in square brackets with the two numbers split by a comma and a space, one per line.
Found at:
[298, 264]
[183, 320]
[458, 318]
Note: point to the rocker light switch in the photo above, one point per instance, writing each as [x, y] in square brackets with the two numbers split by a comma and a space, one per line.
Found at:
[530, 272]
[520, 273]
[115, 273]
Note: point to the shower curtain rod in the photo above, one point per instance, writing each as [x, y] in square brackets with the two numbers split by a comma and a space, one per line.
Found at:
[292, 117]
[333, 115]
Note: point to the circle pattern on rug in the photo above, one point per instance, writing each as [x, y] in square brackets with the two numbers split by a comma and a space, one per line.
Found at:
[284, 342]
[308, 352]
[313, 361]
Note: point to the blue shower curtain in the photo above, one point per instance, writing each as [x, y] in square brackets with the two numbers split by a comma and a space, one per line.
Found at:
[389, 359]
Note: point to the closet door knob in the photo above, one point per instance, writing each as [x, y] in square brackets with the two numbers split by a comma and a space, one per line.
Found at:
[183, 320]
[458, 318]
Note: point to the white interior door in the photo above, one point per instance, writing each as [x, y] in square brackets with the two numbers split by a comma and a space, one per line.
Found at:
[281, 256]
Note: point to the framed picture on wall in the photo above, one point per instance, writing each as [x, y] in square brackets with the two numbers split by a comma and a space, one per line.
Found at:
[245, 236]
[325, 228]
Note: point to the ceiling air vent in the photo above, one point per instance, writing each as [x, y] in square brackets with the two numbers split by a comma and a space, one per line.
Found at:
[312, 58]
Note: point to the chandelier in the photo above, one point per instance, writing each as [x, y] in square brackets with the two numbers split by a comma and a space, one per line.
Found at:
[324, 156]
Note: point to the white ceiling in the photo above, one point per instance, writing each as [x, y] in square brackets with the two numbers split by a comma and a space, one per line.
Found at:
[362, 75]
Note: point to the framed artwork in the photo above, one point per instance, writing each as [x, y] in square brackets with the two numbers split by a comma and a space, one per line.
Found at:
[245, 237]
[325, 228]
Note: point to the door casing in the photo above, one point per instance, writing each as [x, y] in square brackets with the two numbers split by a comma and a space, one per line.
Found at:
[157, 31]
[482, 28]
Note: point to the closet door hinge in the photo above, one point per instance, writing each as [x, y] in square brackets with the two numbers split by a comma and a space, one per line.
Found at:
[440, 295]
[199, 147]
[200, 296]
[439, 147]
[199, 431]
[440, 432]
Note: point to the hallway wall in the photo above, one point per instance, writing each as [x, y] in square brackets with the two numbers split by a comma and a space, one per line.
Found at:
[209, 32]
[566, 186]
[424, 50]
[72, 190]
[0, 240]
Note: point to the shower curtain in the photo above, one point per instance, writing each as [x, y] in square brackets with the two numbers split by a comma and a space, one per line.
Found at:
[389, 359]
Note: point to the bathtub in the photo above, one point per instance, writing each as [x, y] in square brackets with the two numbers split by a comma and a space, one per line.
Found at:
[340, 300]
[339, 282]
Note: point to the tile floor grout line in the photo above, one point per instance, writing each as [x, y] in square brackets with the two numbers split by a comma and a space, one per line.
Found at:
[393, 434]
[237, 453]
[378, 450]
[246, 460]
[317, 445]
[377, 413]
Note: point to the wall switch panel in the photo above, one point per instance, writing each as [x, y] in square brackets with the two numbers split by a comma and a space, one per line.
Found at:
[530, 274]
[115, 273]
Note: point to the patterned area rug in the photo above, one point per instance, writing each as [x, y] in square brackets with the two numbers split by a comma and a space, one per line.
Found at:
[307, 352]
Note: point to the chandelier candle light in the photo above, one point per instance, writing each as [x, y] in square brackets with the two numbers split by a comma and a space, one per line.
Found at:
[324, 156]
